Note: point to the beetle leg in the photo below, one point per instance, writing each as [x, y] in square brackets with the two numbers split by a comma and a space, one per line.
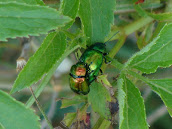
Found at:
[104, 54]
[91, 71]
[101, 71]
[93, 79]
[77, 55]
[74, 76]
[115, 78]
[107, 62]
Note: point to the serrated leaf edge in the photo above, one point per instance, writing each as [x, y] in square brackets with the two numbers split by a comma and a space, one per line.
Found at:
[22, 105]
[122, 106]
[153, 84]
[35, 34]
[146, 49]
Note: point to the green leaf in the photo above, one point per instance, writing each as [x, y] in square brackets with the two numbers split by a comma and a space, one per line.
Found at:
[98, 98]
[105, 124]
[73, 118]
[14, 115]
[145, 37]
[161, 16]
[69, 119]
[131, 106]
[32, 2]
[73, 46]
[75, 100]
[97, 17]
[18, 20]
[70, 8]
[156, 54]
[127, 5]
[98, 122]
[42, 61]
[163, 88]
[140, 11]
[1, 126]
[40, 2]
[158, 29]
[104, 80]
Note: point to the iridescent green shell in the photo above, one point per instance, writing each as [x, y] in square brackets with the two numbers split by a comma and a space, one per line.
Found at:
[93, 57]
[78, 87]
[91, 60]
[74, 67]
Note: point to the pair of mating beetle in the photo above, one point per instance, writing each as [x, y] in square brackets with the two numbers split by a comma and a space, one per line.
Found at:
[83, 73]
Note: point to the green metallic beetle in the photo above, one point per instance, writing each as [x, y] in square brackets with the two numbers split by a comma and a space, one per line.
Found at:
[78, 82]
[93, 58]
[83, 73]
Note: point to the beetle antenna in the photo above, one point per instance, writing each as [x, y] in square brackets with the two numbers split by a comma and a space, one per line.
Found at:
[112, 36]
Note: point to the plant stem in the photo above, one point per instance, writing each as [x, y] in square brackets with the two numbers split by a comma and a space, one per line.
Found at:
[136, 25]
[126, 31]
[98, 123]
[113, 52]
[118, 45]
[115, 63]
[138, 76]
[68, 34]
[130, 28]
[41, 110]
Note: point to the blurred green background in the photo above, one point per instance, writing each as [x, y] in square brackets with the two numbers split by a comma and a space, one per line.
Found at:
[58, 87]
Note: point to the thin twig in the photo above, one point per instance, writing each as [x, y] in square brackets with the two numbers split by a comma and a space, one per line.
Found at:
[39, 106]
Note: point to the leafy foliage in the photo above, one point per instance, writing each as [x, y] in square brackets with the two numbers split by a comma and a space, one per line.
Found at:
[157, 54]
[19, 19]
[74, 100]
[32, 17]
[46, 79]
[15, 115]
[131, 110]
[97, 17]
[161, 16]
[42, 61]
[69, 119]
[163, 88]
[70, 8]
[98, 97]
[31, 2]
[1, 126]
